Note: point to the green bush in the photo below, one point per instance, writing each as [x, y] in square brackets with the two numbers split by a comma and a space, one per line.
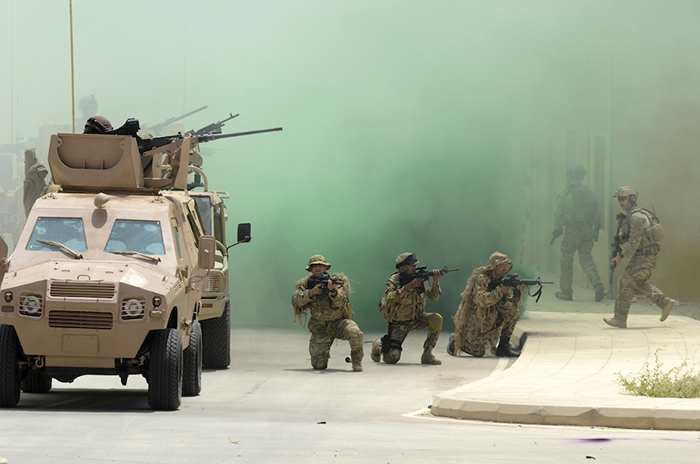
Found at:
[680, 382]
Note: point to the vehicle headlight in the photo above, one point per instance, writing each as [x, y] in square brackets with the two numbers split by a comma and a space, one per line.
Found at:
[213, 283]
[31, 305]
[133, 308]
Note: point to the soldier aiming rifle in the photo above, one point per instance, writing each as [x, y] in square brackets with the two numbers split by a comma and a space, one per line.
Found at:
[422, 274]
[512, 280]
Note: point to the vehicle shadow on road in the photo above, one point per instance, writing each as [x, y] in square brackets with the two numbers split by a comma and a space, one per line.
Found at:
[87, 400]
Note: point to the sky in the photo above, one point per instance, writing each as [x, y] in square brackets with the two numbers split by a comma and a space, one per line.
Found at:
[408, 125]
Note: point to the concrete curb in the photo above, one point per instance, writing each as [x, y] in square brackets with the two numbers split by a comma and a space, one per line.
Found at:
[566, 375]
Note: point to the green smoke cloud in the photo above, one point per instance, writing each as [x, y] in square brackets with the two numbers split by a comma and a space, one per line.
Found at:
[410, 131]
[431, 127]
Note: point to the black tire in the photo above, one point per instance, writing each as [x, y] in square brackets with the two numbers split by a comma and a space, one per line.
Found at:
[192, 362]
[216, 340]
[165, 370]
[9, 367]
[36, 381]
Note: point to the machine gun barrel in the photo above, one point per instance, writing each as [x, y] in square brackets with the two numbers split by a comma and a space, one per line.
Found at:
[213, 128]
[157, 142]
[211, 137]
[158, 128]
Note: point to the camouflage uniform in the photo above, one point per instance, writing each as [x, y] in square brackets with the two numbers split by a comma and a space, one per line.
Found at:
[577, 216]
[331, 318]
[404, 310]
[644, 251]
[486, 316]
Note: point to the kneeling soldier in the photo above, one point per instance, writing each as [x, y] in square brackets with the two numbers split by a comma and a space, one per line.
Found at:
[403, 306]
[327, 297]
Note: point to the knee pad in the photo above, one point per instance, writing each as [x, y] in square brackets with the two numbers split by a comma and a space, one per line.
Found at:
[389, 344]
[477, 353]
[356, 334]
[392, 356]
[435, 322]
[319, 364]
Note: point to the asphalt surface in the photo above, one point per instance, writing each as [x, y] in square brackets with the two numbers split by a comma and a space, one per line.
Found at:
[270, 406]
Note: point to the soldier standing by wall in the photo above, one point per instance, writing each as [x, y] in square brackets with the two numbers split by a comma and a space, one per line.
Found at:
[639, 234]
[88, 107]
[403, 306]
[577, 217]
[327, 297]
[35, 174]
[486, 315]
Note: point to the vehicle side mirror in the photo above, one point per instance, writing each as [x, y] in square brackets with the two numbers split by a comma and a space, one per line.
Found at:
[244, 233]
[207, 252]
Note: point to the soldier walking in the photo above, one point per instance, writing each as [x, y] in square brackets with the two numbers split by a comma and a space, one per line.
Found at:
[578, 219]
[639, 233]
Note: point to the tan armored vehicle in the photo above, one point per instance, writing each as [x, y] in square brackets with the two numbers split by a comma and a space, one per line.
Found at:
[215, 316]
[108, 273]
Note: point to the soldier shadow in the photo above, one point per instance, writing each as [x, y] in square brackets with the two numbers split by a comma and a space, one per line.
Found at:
[311, 370]
[638, 327]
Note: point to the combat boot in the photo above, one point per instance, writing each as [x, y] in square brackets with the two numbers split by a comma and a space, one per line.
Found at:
[667, 310]
[428, 358]
[357, 367]
[563, 296]
[376, 354]
[451, 345]
[599, 292]
[616, 322]
[506, 350]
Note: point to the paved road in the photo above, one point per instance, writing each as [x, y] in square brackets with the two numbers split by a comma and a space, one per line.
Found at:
[271, 407]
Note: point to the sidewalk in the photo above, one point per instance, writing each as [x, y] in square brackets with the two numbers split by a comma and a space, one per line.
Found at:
[566, 372]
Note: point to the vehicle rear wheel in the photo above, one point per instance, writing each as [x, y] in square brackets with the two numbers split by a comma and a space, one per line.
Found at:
[216, 340]
[9, 367]
[165, 370]
[192, 376]
[36, 381]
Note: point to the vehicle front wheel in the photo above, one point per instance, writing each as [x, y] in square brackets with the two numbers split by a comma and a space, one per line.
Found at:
[9, 367]
[36, 381]
[165, 370]
[216, 340]
[192, 376]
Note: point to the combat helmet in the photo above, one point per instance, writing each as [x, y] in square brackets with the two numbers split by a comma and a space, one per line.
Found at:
[627, 191]
[317, 259]
[575, 173]
[405, 260]
[97, 125]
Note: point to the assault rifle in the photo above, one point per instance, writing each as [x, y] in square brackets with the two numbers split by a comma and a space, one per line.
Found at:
[617, 240]
[323, 280]
[512, 280]
[616, 249]
[422, 274]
